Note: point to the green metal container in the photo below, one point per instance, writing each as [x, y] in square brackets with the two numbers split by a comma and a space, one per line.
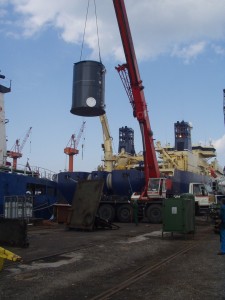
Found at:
[179, 214]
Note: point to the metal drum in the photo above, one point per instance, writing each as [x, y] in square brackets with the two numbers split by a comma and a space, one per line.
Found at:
[125, 182]
[88, 89]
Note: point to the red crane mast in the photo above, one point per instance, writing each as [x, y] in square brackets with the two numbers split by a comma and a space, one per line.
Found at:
[132, 82]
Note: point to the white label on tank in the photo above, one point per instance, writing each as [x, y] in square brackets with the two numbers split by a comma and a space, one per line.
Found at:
[174, 210]
[91, 102]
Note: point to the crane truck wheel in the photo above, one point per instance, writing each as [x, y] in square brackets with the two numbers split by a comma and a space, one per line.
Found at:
[154, 213]
[125, 213]
[107, 212]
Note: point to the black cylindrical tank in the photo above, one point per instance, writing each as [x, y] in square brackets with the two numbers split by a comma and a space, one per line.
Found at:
[88, 89]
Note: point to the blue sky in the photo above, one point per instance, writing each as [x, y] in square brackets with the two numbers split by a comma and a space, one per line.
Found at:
[180, 47]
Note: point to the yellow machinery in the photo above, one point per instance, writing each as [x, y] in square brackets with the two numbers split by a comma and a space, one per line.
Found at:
[121, 161]
[6, 254]
[109, 158]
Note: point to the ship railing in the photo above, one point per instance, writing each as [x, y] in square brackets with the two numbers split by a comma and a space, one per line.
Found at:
[33, 171]
[43, 173]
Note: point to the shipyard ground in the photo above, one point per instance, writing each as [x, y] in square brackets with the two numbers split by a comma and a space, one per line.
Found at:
[133, 262]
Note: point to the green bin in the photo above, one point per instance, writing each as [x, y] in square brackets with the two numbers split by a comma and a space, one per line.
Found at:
[179, 214]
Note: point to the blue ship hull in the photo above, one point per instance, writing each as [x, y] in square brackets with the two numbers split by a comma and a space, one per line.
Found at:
[118, 182]
[42, 190]
[124, 182]
[182, 179]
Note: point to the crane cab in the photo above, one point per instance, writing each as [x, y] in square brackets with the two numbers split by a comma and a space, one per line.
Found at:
[156, 188]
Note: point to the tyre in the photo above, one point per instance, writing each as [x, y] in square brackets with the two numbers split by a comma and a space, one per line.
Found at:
[125, 213]
[106, 212]
[154, 213]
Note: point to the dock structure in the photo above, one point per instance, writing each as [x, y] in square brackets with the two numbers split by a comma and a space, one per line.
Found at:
[133, 261]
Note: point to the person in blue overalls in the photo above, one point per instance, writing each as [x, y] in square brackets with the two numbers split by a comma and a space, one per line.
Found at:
[222, 227]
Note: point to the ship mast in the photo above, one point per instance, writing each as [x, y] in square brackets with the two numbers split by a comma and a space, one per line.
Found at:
[3, 121]
[224, 105]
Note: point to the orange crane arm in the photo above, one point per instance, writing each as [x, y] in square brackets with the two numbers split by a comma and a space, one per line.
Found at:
[72, 149]
[16, 151]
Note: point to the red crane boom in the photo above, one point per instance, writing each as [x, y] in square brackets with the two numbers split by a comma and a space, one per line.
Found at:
[130, 76]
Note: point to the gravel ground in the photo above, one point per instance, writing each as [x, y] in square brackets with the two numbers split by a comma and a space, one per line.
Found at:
[62, 264]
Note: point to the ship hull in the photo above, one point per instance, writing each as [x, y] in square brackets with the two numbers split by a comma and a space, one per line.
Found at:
[182, 179]
[43, 192]
[117, 182]
[125, 182]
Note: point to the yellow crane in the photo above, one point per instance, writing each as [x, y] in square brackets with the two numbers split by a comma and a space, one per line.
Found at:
[109, 158]
[122, 160]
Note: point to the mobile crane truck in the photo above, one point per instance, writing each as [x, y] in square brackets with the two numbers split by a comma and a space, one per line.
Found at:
[154, 191]
[156, 188]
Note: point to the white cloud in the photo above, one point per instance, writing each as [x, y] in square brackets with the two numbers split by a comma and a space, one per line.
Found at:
[218, 49]
[37, 14]
[156, 25]
[190, 51]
